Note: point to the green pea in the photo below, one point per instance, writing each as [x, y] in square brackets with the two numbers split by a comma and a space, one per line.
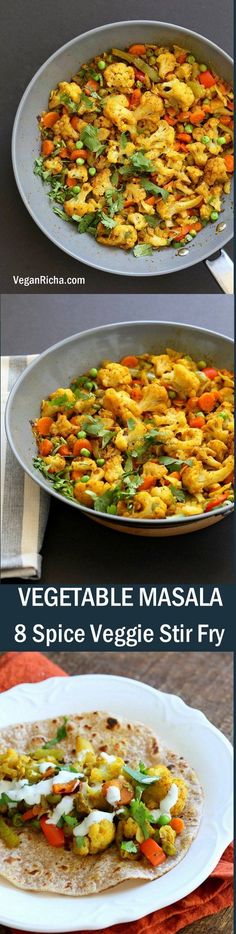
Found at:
[80, 161]
[79, 144]
[205, 139]
[152, 60]
[76, 189]
[206, 100]
[88, 384]
[201, 365]
[202, 68]
[85, 452]
[214, 216]
[138, 84]
[93, 371]
[101, 461]
[188, 127]
[81, 434]
[163, 820]
[85, 478]
[101, 65]
[172, 394]
[221, 140]
[112, 510]
[92, 170]
[191, 59]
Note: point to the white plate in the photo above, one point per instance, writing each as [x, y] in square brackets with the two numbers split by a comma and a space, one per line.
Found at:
[186, 731]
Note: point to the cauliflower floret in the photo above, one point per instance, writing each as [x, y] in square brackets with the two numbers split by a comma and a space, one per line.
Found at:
[184, 381]
[150, 109]
[78, 205]
[58, 401]
[101, 835]
[166, 62]
[155, 398]
[186, 445]
[198, 152]
[120, 76]
[55, 463]
[96, 486]
[178, 808]
[120, 404]
[79, 174]
[194, 173]
[64, 128]
[113, 469]
[196, 479]
[167, 209]
[53, 165]
[163, 137]
[146, 507]
[83, 405]
[62, 427]
[71, 89]
[183, 72]
[167, 838]
[155, 793]
[177, 92]
[120, 441]
[162, 364]
[215, 171]
[151, 469]
[156, 237]
[114, 374]
[138, 220]
[116, 108]
[122, 235]
[134, 192]
[101, 182]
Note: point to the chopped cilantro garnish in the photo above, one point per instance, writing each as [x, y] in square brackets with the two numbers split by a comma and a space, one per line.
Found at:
[60, 734]
[142, 249]
[129, 846]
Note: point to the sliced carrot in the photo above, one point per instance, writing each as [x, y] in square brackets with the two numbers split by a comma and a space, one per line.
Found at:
[197, 116]
[216, 502]
[47, 147]
[184, 137]
[153, 852]
[229, 163]
[70, 182]
[137, 49]
[183, 232]
[184, 115]
[54, 835]
[208, 400]
[197, 421]
[78, 154]
[210, 372]
[148, 482]
[80, 444]
[206, 79]
[50, 118]
[75, 420]
[171, 120]
[197, 226]
[129, 361]
[192, 403]
[182, 58]
[177, 823]
[76, 475]
[64, 153]
[45, 447]
[64, 450]
[136, 393]
[225, 120]
[135, 98]
[75, 122]
[183, 148]
[150, 200]
[65, 789]
[90, 86]
[128, 203]
[32, 812]
[43, 425]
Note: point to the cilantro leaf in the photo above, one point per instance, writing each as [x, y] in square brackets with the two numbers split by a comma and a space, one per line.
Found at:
[105, 220]
[123, 140]
[101, 503]
[90, 138]
[131, 424]
[140, 777]
[141, 815]
[129, 846]
[88, 223]
[60, 734]
[62, 400]
[71, 821]
[152, 219]
[151, 437]
[155, 189]
[142, 249]
[114, 200]
[63, 485]
[70, 104]
[141, 163]
[173, 464]
[178, 494]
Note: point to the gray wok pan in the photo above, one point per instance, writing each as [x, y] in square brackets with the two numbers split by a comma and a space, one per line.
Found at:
[25, 148]
[56, 367]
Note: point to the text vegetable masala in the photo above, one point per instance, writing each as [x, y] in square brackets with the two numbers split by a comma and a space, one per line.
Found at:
[150, 437]
[138, 147]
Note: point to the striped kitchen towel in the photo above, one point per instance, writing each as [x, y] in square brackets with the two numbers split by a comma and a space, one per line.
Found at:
[24, 505]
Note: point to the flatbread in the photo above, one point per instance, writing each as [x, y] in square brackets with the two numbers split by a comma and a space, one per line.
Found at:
[35, 866]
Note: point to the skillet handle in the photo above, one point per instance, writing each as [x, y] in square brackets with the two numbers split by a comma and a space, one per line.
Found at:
[222, 268]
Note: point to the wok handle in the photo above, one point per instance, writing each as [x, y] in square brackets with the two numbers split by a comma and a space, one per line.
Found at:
[222, 268]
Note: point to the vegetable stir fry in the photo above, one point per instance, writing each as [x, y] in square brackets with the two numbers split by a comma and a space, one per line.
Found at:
[89, 801]
[138, 147]
[149, 437]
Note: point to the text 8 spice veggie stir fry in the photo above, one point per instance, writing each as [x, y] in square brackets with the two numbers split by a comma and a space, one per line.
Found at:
[138, 147]
[91, 800]
[149, 437]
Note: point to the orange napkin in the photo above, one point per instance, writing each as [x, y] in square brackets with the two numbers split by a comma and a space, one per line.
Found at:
[215, 894]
